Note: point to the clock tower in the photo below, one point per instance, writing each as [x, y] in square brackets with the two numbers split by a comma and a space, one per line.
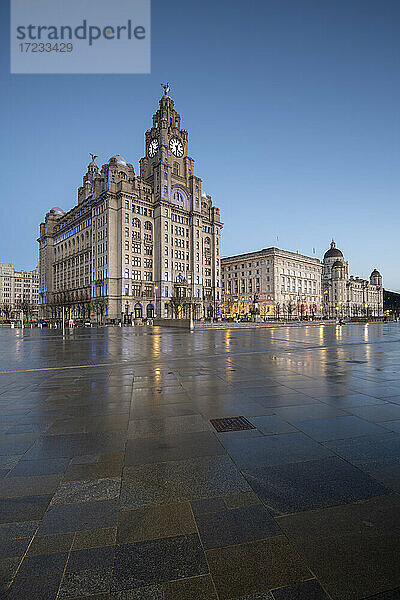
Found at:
[186, 224]
[166, 163]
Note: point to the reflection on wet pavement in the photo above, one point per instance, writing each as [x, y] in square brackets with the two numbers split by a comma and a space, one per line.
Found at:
[115, 485]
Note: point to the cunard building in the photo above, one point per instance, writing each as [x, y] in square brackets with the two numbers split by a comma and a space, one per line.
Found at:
[136, 245]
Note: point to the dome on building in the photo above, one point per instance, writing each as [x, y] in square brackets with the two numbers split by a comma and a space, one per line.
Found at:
[333, 252]
[375, 273]
[57, 211]
[119, 159]
[337, 264]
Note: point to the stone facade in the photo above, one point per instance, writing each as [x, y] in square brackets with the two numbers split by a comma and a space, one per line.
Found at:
[345, 296]
[271, 283]
[18, 292]
[135, 245]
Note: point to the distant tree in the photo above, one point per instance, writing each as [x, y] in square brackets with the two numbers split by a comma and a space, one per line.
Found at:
[6, 309]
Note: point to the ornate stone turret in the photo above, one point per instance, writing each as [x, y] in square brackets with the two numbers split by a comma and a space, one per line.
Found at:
[375, 278]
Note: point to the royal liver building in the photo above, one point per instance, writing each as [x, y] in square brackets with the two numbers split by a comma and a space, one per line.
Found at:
[136, 245]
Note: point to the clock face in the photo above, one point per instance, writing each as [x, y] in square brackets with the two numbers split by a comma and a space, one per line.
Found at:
[176, 147]
[153, 148]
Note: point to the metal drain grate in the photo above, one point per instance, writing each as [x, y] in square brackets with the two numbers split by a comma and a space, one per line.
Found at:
[231, 424]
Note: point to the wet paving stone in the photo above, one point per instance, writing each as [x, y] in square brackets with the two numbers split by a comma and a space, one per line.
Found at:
[30, 468]
[177, 481]
[84, 583]
[144, 428]
[10, 531]
[195, 588]
[153, 522]
[379, 413]
[8, 462]
[76, 517]
[8, 568]
[90, 558]
[327, 440]
[236, 526]
[255, 567]
[312, 484]
[95, 538]
[86, 491]
[338, 428]
[173, 447]
[40, 485]
[208, 506]
[353, 548]
[274, 450]
[389, 595]
[369, 452]
[263, 596]
[307, 590]
[43, 565]
[9, 548]
[28, 508]
[239, 499]
[34, 588]
[271, 425]
[157, 561]
[49, 544]
[148, 592]
[106, 466]
[67, 446]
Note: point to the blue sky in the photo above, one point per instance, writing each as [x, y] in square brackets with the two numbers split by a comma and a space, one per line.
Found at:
[292, 109]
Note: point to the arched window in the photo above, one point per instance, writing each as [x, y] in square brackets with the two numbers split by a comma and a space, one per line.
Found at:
[138, 310]
[148, 226]
[136, 222]
[178, 197]
[176, 168]
[150, 311]
[207, 241]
